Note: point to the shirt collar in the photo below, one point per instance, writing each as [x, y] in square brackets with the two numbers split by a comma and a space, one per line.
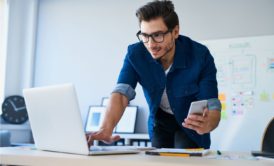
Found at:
[182, 52]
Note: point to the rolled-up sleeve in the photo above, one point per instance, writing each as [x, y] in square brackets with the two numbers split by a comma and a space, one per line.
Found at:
[127, 79]
[214, 104]
[125, 90]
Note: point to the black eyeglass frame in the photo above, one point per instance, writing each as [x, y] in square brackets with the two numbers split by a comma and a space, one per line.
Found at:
[152, 36]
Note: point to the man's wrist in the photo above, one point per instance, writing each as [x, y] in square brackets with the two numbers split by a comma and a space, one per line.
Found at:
[214, 104]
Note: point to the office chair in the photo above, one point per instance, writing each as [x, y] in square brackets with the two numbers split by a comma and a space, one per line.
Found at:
[267, 149]
[268, 138]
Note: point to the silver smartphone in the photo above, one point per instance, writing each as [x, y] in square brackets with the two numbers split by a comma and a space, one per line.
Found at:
[197, 107]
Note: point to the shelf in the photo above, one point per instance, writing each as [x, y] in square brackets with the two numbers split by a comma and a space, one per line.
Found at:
[7, 126]
[20, 133]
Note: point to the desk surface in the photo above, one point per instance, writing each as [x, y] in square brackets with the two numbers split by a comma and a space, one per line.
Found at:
[27, 156]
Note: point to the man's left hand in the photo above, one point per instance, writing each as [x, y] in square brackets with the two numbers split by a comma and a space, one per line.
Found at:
[204, 123]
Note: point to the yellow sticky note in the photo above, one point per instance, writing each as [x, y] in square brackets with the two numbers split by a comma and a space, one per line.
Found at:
[223, 106]
[222, 96]
[264, 96]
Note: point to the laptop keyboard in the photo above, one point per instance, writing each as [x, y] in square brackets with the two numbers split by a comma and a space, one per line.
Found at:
[118, 148]
[103, 148]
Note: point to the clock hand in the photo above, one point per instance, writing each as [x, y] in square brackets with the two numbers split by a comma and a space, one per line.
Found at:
[13, 105]
[20, 108]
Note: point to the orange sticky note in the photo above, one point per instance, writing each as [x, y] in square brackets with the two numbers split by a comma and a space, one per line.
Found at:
[222, 96]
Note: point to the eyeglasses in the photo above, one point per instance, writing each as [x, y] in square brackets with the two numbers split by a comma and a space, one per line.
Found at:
[157, 37]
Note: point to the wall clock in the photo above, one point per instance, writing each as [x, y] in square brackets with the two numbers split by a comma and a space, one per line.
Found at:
[14, 110]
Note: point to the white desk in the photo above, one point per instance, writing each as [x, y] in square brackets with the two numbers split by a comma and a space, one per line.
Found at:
[26, 156]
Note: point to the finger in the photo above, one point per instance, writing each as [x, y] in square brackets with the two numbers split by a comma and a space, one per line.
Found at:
[88, 134]
[92, 136]
[195, 123]
[90, 141]
[189, 126]
[206, 111]
[196, 117]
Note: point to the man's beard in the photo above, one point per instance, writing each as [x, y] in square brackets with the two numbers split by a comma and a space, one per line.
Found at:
[167, 51]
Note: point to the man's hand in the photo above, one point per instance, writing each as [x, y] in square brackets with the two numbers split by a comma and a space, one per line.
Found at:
[203, 123]
[102, 135]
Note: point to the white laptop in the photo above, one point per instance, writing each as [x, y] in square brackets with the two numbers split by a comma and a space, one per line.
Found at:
[56, 122]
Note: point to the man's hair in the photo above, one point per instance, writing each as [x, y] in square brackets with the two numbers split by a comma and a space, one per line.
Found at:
[156, 9]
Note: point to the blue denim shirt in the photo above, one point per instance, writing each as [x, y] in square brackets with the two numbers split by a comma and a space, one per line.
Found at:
[192, 77]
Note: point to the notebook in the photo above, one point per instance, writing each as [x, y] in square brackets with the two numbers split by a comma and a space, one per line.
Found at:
[178, 152]
[56, 122]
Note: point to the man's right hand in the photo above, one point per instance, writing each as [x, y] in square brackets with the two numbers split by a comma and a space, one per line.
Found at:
[114, 112]
[101, 135]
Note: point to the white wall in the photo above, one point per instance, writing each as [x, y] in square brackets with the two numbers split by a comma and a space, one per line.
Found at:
[215, 19]
[84, 42]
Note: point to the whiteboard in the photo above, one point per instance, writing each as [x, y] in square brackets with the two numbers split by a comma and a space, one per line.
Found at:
[245, 74]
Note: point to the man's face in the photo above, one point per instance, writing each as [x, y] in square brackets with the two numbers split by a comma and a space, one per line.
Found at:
[162, 49]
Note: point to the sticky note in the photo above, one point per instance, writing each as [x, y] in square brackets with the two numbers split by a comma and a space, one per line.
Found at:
[223, 106]
[224, 115]
[264, 96]
[222, 96]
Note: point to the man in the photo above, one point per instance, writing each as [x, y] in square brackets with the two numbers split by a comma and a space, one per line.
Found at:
[173, 71]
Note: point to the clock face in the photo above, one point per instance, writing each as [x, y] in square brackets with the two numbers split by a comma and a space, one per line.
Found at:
[14, 110]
